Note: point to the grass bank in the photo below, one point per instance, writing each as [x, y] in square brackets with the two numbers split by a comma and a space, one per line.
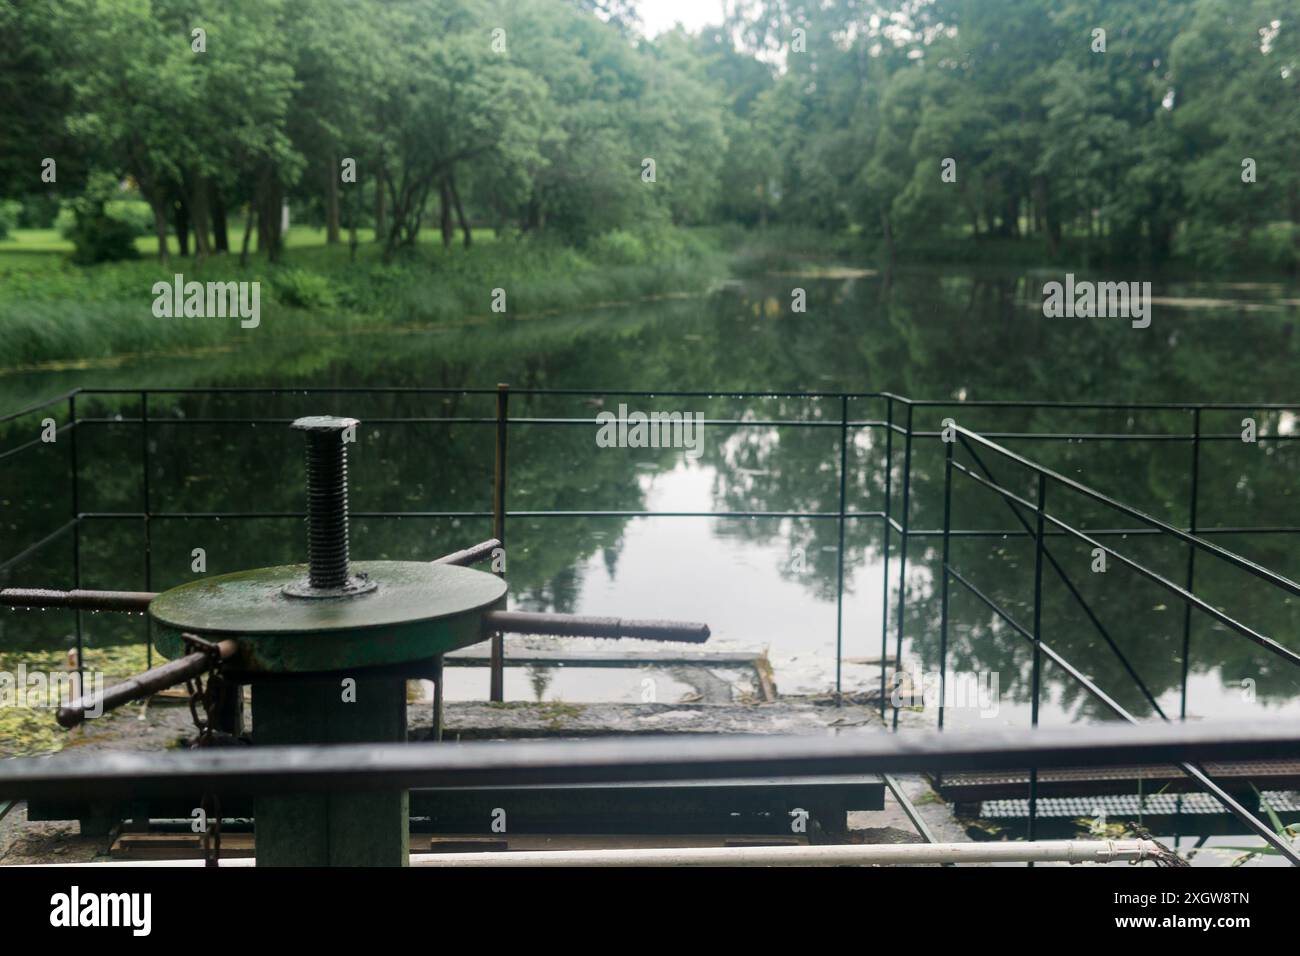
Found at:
[53, 311]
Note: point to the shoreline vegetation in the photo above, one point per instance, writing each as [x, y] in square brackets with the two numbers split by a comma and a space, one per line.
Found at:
[54, 312]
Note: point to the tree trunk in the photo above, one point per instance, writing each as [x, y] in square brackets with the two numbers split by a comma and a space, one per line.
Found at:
[1294, 194]
[220, 227]
[888, 229]
[444, 191]
[251, 213]
[270, 200]
[199, 218]
[536, 216]
[160, 228]
[460, 212]
[332, 201]
[379, 206]
[181, 219]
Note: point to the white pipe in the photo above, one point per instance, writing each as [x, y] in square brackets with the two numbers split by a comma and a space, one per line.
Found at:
[1047, 851]
[1065, 851]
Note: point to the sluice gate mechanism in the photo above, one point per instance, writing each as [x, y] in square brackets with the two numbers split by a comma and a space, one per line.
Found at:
[325, 649]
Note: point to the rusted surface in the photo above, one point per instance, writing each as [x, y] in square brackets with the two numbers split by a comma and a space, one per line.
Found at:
[582, 625]
[143, 685]
[137, 601]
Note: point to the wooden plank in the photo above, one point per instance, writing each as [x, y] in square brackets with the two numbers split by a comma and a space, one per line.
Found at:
[176, 846]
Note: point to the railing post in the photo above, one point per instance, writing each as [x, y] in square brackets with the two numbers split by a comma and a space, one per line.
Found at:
[943, 576]
[839, 570]
[884, 598]
[902, 554]
[76, 527]
[1191, 561]
[435, 725]
[148, 525]
[1038, 644]
[497, 692]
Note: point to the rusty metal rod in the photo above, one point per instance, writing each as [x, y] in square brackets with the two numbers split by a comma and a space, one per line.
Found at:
[579, 625]
[496, 674]
[142, 685]
[136, 601]
[471, 555]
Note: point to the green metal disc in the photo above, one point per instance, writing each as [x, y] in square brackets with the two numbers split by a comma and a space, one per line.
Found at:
[417, 611]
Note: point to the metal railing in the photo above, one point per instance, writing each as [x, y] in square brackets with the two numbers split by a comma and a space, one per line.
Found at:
[894, 406]
[897, 417]
[1044, 478]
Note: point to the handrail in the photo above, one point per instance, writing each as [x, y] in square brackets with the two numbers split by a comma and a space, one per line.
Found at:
[1035, 637]
[1210, 547]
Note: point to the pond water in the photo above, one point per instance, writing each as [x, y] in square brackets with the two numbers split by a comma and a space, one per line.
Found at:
[764, 584]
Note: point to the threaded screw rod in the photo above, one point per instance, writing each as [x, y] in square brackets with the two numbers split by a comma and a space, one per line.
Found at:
[327, 500]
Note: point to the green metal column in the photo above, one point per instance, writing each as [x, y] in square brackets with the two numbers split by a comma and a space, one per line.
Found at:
[338, 829]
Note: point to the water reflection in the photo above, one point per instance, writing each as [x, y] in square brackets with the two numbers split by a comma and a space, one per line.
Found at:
[766, 583]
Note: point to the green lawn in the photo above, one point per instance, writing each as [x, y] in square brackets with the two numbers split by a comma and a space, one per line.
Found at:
[23, 241]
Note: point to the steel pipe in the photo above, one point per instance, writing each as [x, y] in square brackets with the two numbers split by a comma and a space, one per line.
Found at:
[578, 625]
[133, 601]
[142, 685]
[911, 854]
[471, 555]
[379, 767]
[892, 854]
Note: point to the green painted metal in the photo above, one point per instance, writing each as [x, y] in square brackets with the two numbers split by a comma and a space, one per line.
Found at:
[331, 829]
[417, 611]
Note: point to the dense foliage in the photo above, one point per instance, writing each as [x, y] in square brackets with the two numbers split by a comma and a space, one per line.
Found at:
[1097, 129]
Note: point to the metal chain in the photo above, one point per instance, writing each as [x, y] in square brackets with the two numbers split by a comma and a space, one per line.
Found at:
[208, 694]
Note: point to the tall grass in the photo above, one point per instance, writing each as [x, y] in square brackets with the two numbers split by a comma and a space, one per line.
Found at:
[51, 310]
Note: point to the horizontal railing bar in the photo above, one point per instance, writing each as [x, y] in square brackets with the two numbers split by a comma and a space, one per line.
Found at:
[1209, 547]
[715, 422]
[454, 390]
[679, 393]
[379, 766]
[1098, 406]
[1114, 436]
[1021, 532]
[812, 515]
[279, 515]
[478, 420]
[243, 515]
